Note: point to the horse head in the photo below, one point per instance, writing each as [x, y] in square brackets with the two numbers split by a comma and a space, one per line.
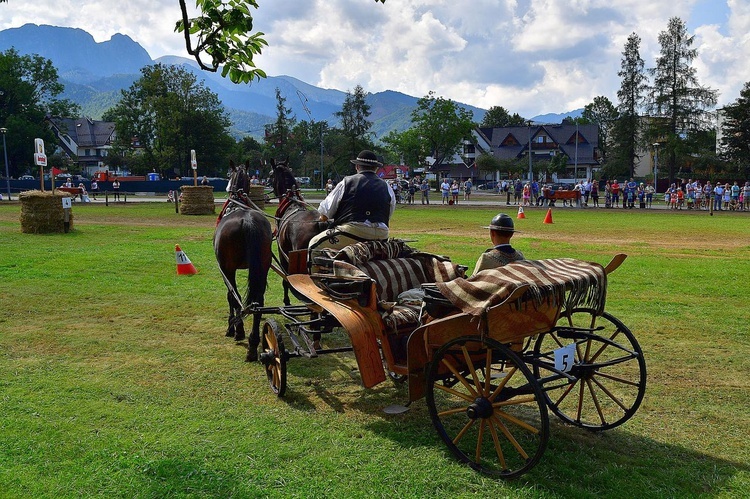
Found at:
[282, 179]
[238, 178]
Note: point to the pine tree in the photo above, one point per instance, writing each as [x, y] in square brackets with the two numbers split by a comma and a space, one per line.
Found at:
[736, 132]
[353, 115]
[627, 130]
[678, 103]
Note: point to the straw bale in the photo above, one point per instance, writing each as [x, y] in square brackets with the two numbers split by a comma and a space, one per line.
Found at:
[197, 200]
[42, 212]
[257, 195]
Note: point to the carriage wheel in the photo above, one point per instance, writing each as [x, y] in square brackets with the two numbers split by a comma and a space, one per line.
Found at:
[487, 407]
[273, 357]
[609, 368]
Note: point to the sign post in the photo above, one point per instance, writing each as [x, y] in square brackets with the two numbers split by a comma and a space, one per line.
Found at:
[194, 165]
[40, 160]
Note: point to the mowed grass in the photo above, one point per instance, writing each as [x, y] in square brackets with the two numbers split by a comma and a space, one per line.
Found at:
[116, 379]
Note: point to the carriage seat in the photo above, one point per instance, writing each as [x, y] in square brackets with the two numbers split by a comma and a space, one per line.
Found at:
[397, 270]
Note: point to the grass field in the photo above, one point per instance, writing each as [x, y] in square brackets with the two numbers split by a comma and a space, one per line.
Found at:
[116, 379]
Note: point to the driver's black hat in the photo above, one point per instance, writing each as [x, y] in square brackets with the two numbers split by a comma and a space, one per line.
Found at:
[502, 222]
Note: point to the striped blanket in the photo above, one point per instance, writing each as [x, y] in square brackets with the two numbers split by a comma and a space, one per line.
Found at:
[562, 282]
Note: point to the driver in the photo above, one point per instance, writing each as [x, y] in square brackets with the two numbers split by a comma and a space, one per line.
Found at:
[358, 208]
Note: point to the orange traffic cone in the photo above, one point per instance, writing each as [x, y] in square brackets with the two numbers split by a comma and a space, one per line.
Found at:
[184, 266]
[548, 218]
[520, 213]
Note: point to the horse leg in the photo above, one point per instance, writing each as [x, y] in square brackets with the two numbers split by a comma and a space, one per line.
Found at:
[236, 327]
[285, 285]
[254, 339]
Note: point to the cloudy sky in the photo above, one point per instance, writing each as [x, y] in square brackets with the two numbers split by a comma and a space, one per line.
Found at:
[529, 56]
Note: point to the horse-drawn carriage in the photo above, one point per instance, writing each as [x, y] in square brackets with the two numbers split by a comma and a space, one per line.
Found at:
[491, 354]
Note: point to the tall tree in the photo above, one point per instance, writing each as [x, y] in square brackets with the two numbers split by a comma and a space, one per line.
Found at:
[29, 88]
[164, 115]
[353, 115]
[278, 134]
[498, 117]
[679, 104]
[442, 125]
[603, 113]
[406, 147]
[627, 131]
[735, 131]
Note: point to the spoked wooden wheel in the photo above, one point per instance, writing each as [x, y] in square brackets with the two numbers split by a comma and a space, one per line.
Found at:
[487, 407]
[608, 367]
[273, 357]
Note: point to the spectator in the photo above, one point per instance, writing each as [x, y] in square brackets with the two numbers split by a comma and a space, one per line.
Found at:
[445, 189]
[424, 188]
[615, 187]
[718, 196]
[455, 189]
[467, 189]
[746, 196]
[94, 188]
[116, 189]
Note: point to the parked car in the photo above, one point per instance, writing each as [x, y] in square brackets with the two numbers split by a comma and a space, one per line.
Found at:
[27, 177]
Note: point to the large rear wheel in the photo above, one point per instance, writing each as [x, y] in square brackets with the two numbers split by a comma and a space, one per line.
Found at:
[487, 406]
[608, 370]
[273, 357]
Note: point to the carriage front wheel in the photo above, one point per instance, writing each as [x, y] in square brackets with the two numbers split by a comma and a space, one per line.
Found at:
[487, 406]
[273, 357]
[608, 370]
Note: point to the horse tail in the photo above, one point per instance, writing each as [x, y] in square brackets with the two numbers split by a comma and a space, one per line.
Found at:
[257, 233]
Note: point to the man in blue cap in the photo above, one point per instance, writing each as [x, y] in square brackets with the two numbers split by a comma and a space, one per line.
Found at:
[502, 253]
[358, 208]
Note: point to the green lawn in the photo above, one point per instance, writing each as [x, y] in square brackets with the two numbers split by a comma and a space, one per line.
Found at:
[116, 379]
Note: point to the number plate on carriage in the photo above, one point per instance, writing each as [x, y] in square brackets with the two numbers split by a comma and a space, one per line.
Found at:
[565, 357]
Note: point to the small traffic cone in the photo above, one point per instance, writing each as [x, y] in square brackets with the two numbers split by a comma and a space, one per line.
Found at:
[520, 213]
[548, 218]
[184, 266]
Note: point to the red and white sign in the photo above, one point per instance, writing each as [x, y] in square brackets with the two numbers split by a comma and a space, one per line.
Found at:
[40, 159]
[193, 161]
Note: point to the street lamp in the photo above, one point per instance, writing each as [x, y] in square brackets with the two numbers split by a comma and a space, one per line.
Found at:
[5, 152]
[656, 161]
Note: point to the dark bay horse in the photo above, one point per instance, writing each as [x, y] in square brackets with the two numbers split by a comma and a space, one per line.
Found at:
[296, 222]
[242, 240]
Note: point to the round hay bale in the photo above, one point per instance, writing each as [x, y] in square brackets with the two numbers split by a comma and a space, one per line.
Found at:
[197, 200]
[257, 195]
[43, 213]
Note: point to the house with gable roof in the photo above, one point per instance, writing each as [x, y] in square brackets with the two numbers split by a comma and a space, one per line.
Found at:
[87, 142]
[580, 143]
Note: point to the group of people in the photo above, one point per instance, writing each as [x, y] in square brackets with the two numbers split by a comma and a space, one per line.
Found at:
[717, 197]
[451, 190]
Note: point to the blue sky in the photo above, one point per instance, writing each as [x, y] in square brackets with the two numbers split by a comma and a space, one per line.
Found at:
[529, 56]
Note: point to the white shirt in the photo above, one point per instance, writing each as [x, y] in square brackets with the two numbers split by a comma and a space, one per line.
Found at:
[330, 205]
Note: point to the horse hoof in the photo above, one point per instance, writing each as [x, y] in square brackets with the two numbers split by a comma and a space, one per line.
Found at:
[252, 355]
[230, 333]
[239, 336]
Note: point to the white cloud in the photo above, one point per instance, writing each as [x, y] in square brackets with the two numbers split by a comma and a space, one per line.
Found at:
[530, 56]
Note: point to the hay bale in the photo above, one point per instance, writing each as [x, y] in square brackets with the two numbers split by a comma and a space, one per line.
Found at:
[43, 213]
[197, 200]
[257, 195]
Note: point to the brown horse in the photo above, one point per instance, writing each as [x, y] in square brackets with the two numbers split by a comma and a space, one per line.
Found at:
[242, 240]
[296, 223]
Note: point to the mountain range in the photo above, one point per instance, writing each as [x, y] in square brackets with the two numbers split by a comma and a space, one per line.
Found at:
[93, 74]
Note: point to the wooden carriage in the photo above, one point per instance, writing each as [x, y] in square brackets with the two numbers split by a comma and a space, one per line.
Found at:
[492, 354]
